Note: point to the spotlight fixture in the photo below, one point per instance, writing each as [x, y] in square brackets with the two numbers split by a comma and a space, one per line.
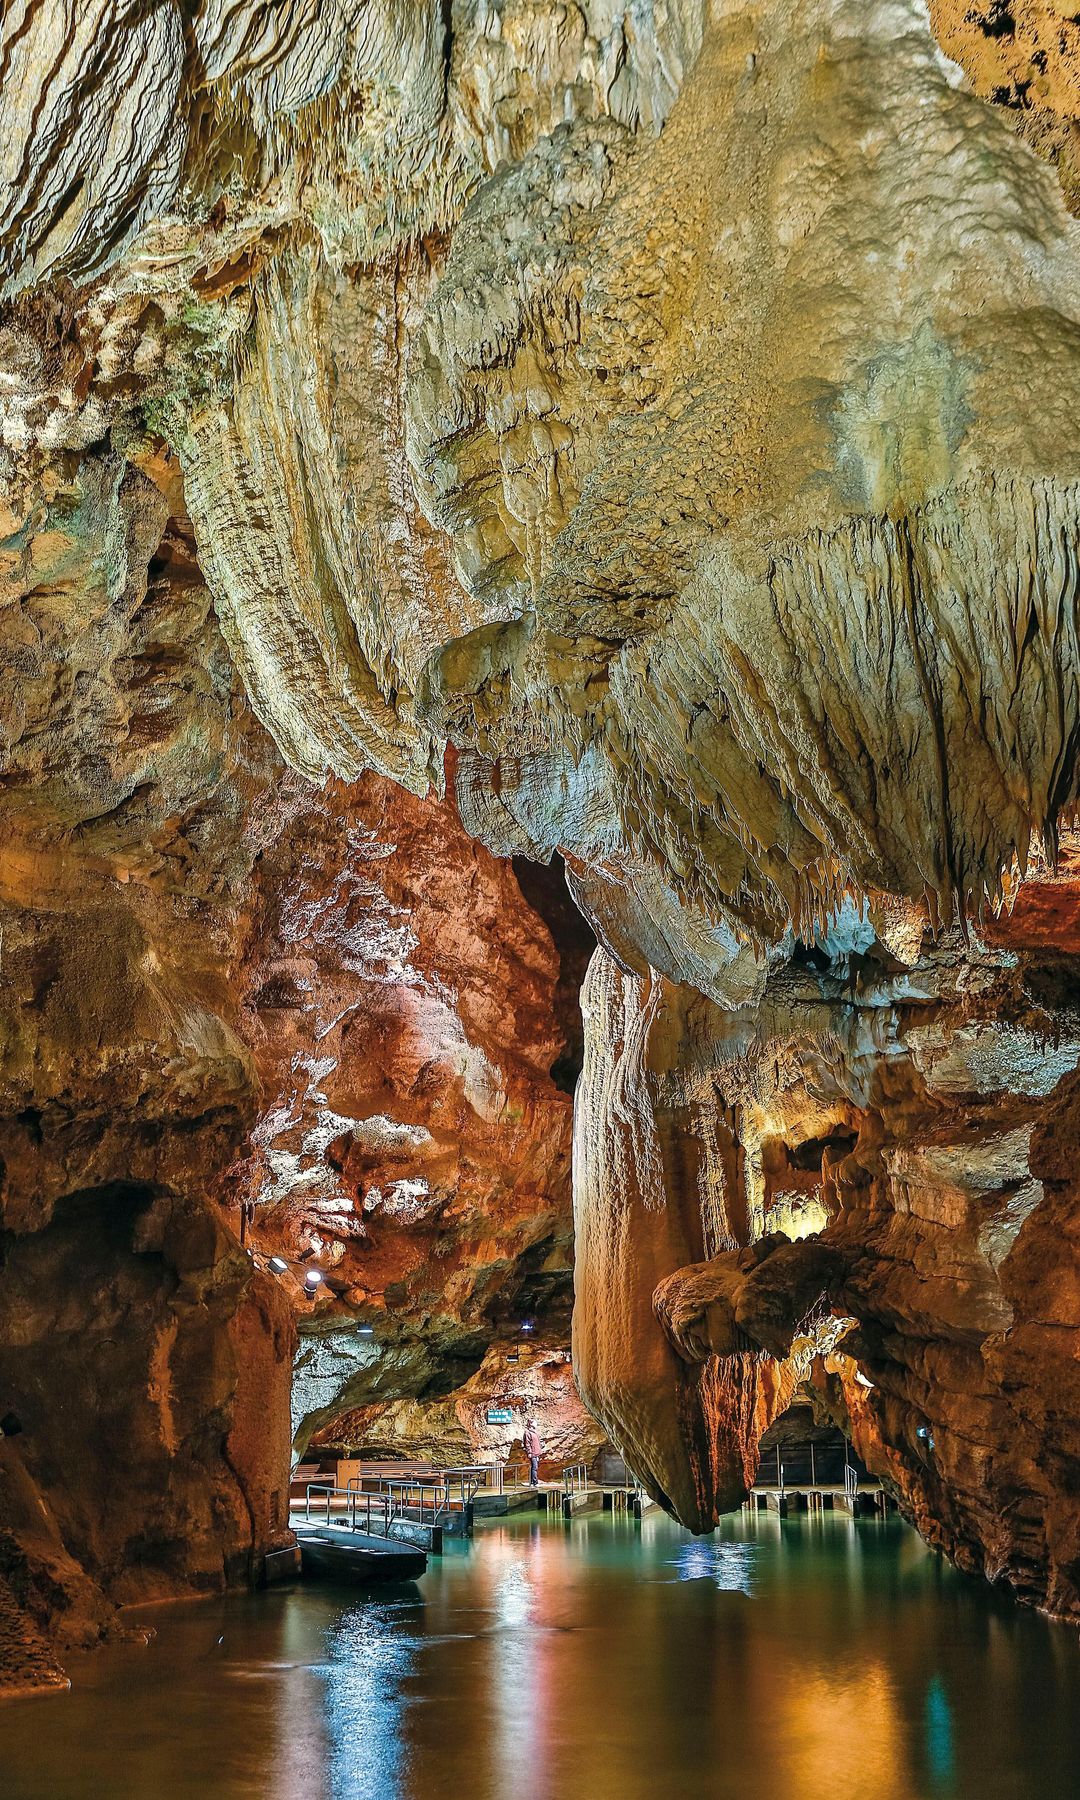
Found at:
[512, 1356]
[278, 1265]
[365, 1331]
[312, 1279]
[527, 1325]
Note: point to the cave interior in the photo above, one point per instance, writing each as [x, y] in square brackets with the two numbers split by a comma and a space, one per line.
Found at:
[539, 761]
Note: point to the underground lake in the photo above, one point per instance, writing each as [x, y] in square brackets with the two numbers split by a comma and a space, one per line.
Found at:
[605, 1659]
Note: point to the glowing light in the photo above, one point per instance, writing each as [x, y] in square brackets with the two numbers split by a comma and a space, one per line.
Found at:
[312, 1279]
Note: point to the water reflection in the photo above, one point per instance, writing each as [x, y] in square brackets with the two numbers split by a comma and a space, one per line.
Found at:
[725, 1565]
[372, 1652]
[939, 1735]
[599, 1660]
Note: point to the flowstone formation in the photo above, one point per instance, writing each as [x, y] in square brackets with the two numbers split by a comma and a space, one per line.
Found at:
[434, 441]
[528, 1381]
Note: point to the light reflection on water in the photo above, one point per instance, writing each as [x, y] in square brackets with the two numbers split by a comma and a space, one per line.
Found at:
[727, 1566]
[372, 1657]
[602, 1660]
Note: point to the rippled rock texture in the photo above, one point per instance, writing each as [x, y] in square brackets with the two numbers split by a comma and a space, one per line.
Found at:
[143, 1360]
[437, 439]
[412, 1144]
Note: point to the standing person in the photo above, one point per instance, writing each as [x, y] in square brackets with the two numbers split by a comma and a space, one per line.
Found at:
[533, 1449]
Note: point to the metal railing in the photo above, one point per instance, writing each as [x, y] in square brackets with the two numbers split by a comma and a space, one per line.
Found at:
[802, 1465]
[421, 1501]
[372, 1502]
[575, 1478]
[372, 1513]
[428, 1498]
[497, 1477]
[851, 1483]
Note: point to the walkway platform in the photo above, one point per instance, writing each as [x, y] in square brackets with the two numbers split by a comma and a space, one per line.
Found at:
[582, 1500]
[496, 1506]
[869, 1500]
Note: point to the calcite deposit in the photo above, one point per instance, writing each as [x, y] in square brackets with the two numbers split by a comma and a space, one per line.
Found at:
[651, 1193]
[226, 992]
[437, 443]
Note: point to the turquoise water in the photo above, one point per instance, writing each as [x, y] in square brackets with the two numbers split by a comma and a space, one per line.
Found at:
[601, 1660]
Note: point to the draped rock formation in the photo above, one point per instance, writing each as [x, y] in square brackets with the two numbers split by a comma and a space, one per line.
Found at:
[540, 1384]
[411, 1144]
[649, 1195]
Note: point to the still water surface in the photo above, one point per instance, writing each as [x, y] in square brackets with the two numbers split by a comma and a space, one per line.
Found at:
[602, 1660]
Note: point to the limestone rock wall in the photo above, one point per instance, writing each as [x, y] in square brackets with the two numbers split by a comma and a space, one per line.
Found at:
[747, 458]
[1025, 57]
[222, 986]
[144, 1362]
[643, 1205]
[538, 1383]
[411, 1143]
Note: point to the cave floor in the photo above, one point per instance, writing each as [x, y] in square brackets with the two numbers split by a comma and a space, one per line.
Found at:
[599, 1658]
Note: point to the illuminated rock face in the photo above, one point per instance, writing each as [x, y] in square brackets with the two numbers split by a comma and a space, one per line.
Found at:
[144, 1363]
[411, 1142]
[651, 439]
[650, 1194]
[918, 1101]
[537, 1384]
[790, 601]
[1026, 58]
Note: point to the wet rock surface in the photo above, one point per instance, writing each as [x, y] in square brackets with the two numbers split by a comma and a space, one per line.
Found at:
[412, 1145]
[224, 987]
